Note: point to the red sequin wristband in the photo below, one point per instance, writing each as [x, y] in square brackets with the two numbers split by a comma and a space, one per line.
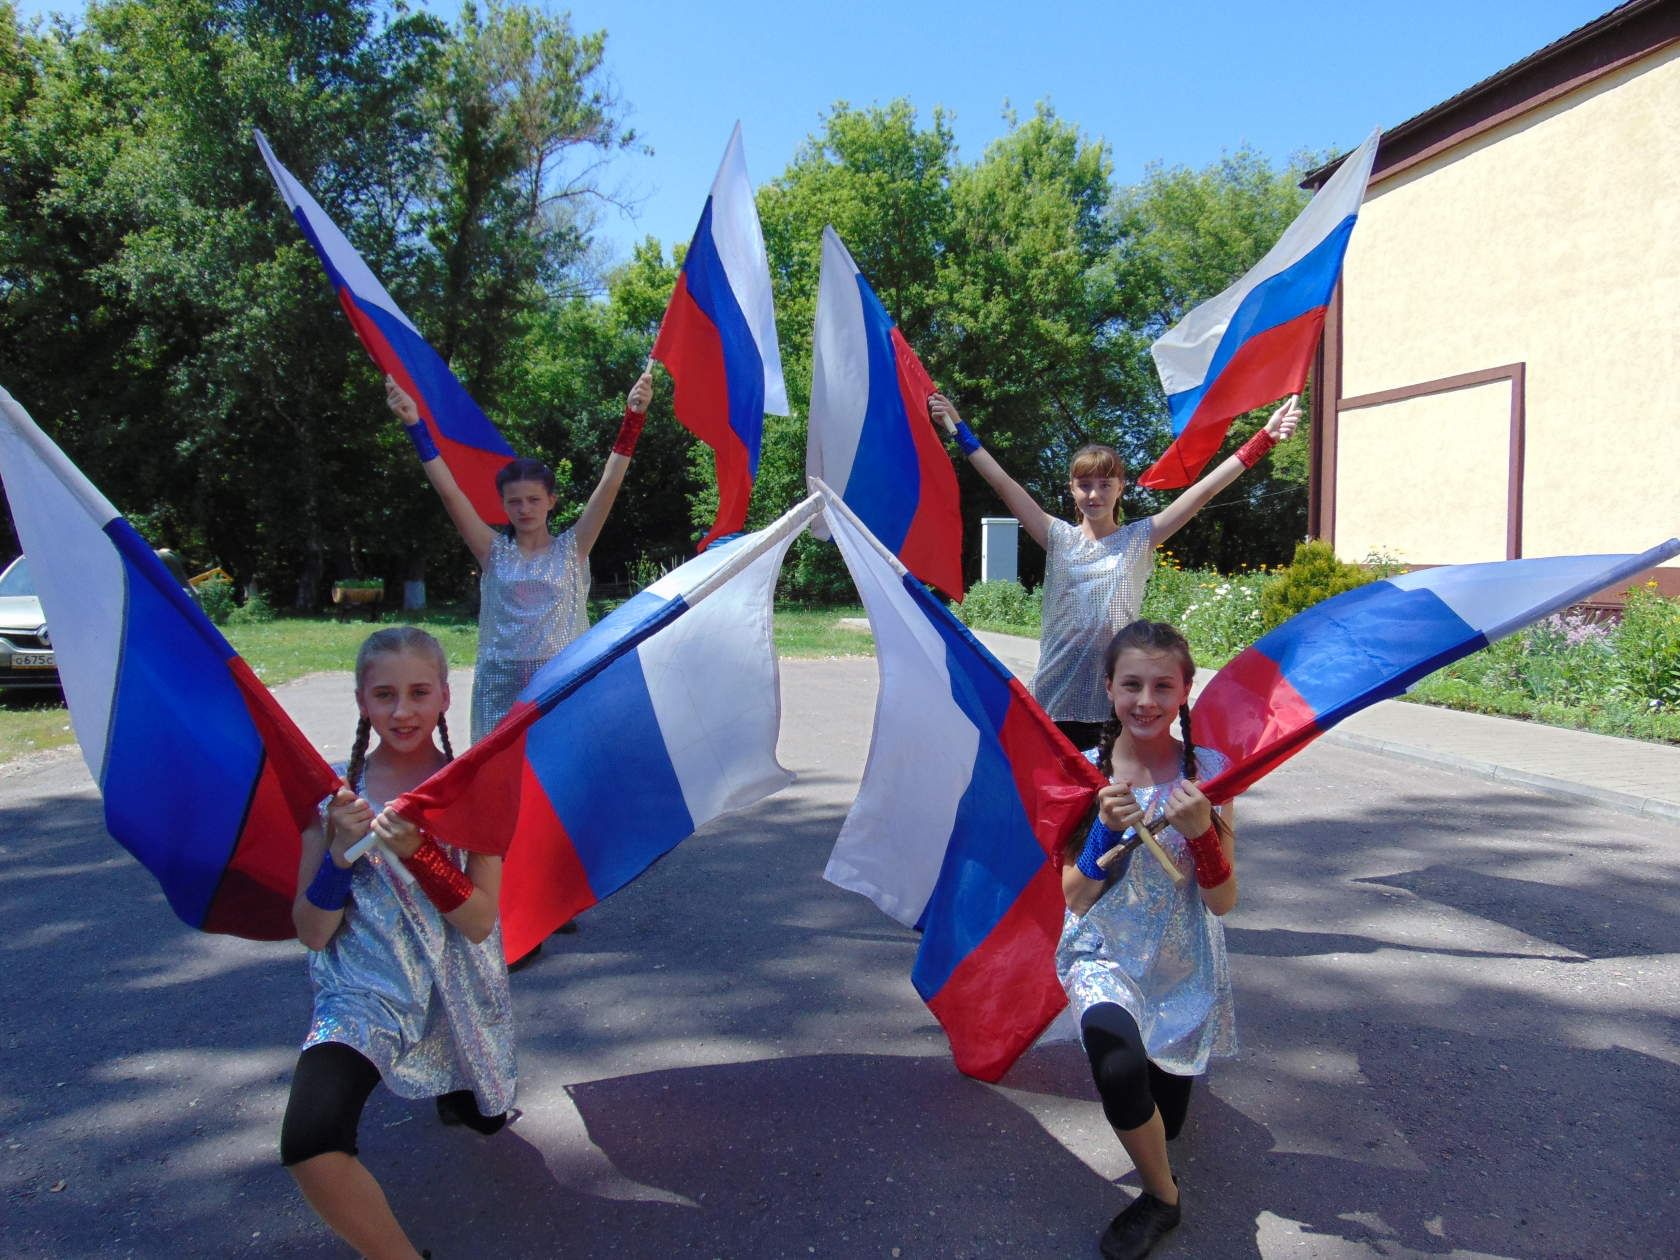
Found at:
[628, 432]
[1255, 449]
[440, 879]
[1213, 868]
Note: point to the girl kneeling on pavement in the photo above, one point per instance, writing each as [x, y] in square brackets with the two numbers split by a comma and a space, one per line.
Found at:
[405, 953]
[1142, 957]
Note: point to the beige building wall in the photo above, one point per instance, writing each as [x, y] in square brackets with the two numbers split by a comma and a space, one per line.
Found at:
[1552, 240]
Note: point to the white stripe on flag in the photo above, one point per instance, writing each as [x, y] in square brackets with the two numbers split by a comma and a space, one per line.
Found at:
[60, 518]
[921, 753]
[740, 245]
[363, 283]
[839, 372]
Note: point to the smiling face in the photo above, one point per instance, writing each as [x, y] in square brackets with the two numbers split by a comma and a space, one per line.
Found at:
[528, 504]
[1147, 689]
[402, 696]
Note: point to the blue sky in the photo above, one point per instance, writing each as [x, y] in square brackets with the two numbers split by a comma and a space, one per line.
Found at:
[1174, 81]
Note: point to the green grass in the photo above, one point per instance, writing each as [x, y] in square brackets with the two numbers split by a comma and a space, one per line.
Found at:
[1004, 627]
[290, 647]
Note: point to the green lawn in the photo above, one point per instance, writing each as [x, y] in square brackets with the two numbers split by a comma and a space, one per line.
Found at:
[291, 647]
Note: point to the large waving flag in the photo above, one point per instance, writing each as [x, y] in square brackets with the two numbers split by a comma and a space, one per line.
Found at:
[870, 436]
[205, 779]
[718, 339]
[968, 794]
[1253, 343]
[470, 444]
[1373, 642]
[660, 718]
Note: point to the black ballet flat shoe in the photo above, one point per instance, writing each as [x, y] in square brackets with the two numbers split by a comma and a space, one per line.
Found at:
[1134, 1233]
[460, 1107]
[568, 928]
[525, 960]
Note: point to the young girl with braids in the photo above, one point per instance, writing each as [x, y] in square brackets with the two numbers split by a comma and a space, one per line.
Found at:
[534, 584]
[1095, 569]
[1143, 957]
[405, 953]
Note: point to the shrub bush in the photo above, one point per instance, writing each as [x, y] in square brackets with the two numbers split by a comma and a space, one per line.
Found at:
[1311, 578]
[216, 598]
[1002, 605]
[1647, 650]
[254, 611]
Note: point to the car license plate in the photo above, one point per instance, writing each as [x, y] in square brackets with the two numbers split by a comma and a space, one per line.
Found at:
[32, 660]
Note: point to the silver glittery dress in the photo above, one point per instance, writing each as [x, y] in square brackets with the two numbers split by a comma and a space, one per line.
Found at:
[421, 1002]
[1153, 948]
[1091, 589]
[529, 608]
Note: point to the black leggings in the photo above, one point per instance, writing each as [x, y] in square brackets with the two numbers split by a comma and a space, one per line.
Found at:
[329, 1089]
[1131, 1086]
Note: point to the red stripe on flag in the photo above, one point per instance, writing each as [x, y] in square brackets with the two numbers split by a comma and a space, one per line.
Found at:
[254, 897]
[1005, 993]
[932, 547]
[1056, 785]
[1266, 367]
[692, 352]
[544, 883]
[1252, 714]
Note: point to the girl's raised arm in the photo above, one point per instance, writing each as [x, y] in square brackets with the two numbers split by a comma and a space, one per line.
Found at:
[594, 515]
[474, 532]
[1172, 518]
[469, 901]
[1034, 519]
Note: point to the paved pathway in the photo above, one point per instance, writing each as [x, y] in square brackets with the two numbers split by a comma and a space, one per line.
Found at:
[1456, 1003]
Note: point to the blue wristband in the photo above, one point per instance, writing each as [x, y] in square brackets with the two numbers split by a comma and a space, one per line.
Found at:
[965, 438]
[422, 439]
[1098, 841]
[330, 888]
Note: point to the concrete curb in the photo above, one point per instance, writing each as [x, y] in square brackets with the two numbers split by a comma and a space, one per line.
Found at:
[1607, 798]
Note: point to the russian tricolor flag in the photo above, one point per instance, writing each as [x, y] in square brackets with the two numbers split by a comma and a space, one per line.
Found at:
[870, 436]
[470, 444]
[205, 779]
[661, 717]
[1373, 642]
[718, 339]
[968, 796]
[1253, 343]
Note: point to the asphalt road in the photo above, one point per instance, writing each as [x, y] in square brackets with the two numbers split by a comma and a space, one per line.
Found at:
[1456, 1003]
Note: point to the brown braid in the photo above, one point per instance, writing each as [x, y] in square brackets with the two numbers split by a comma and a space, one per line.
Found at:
[1189, 744]
[358, 756]
[1105, 746]
[443, 734]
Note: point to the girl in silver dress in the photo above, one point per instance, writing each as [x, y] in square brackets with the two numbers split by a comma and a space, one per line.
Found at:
[1095, 569]
[1142, 953]
[405, 953]
[534, 583]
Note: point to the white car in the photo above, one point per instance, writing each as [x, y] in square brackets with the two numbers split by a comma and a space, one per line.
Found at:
[26, 655]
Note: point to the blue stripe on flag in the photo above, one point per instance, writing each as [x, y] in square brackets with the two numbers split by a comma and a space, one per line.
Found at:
[601, 759]
[708, 285]
[992, 855]
[458, 417]
[183, 756]
[1291, 293]
[1374, 640]
[884, 485]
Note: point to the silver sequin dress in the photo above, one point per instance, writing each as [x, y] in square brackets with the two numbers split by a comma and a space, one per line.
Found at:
[1091, 589]
[529, 608]
[1154, 949]
[421, 1002]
